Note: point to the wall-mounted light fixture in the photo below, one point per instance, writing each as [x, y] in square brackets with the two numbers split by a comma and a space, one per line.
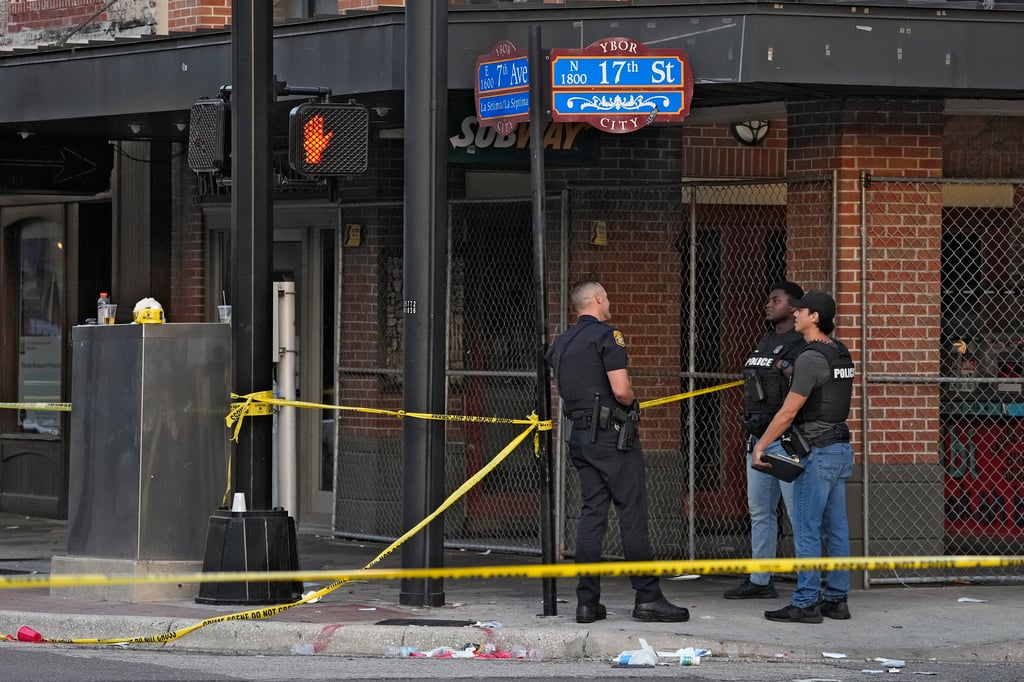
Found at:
[25, 134]
[749, 132]
[381, 110]
[181, 126]
[599, 233]
[136, 128]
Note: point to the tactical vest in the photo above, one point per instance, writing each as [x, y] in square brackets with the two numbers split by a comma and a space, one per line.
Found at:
[830, 402]
[764, 385]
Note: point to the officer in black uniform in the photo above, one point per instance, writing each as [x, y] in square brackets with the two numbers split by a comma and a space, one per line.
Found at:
[588, 362]
[766, 376]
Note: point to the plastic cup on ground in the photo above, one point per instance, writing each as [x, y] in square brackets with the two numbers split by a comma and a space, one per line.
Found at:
[27, 634]
[224, 311]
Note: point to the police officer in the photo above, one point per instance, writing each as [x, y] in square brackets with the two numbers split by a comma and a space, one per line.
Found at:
[588, 362]
[818, 405]
[766, 375]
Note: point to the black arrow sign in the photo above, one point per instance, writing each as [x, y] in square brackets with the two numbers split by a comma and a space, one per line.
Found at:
[49, 165]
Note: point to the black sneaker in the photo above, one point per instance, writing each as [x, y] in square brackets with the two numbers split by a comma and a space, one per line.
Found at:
[836, 610]
[795, 614]
[749, 590]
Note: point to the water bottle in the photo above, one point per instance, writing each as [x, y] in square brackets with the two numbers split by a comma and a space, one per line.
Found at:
[394, 651]
[101, 308]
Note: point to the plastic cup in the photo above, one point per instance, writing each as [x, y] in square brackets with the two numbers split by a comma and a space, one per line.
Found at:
[109, 313]
[27, 634]
[224, 311]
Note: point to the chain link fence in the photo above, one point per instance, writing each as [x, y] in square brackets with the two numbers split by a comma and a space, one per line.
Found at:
[944, 304]
[688, 268]
[491, 372]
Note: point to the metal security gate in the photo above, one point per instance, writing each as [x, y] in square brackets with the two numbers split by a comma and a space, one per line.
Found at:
[688, 267]
[491, 371]
[943, 298]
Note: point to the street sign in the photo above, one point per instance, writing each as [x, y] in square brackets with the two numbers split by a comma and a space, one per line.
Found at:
[502, 87]
[620, 85]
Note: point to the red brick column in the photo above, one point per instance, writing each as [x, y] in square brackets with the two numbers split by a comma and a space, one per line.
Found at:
[891, 138]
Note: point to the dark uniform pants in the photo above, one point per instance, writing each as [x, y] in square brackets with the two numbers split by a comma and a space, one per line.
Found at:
[607, 475]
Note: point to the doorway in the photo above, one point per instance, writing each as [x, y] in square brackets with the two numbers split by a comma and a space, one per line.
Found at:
[303, 253]
[44, 292]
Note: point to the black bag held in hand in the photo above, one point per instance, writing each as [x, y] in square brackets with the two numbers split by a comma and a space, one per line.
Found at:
[787, 466]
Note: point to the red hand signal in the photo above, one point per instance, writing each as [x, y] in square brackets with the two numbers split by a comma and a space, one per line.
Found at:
[314, 140]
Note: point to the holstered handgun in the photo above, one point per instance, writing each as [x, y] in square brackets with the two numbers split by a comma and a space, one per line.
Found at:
[795, 443]
[627, 423]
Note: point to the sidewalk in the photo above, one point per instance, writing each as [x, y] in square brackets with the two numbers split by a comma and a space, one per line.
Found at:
[914, 623]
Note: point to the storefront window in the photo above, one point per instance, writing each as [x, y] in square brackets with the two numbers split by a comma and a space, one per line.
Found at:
[41, 306]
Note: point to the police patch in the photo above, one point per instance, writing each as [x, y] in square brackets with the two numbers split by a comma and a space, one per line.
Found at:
[619, 340]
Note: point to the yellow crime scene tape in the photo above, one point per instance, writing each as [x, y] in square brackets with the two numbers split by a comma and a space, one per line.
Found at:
[261, 403]
[53, 407]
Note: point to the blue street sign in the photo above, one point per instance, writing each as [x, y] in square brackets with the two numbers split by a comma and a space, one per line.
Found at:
[616, 72]
[500, 106]
[503, 74]
[612, 102]
[620, 85]
[502, 89]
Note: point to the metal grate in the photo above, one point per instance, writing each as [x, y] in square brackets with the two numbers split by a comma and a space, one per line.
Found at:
[207, 134]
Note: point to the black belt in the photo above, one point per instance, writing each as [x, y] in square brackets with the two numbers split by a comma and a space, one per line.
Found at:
[840, 434]
[580, 419]
[828, 439]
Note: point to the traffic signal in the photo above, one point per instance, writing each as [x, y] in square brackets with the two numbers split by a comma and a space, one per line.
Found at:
[328, 139]
[208, 136]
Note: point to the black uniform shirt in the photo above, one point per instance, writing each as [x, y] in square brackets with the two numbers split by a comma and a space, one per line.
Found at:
[580, 359]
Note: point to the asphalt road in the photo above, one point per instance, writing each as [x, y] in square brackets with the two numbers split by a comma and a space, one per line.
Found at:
[43, 663]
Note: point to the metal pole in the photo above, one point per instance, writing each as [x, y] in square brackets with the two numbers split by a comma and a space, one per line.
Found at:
[545, 462]
[426, 105]
[252, 96]
[287, 352]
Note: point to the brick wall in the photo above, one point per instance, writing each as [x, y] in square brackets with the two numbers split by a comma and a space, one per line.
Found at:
[188, 249]
[32, 22]
[711, 151]
[883, 138]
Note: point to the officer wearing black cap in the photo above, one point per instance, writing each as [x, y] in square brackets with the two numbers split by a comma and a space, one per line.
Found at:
[814, 413]
[588, 362]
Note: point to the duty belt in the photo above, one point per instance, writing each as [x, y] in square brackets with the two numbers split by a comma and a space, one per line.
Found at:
[840, 434]
[581, 419]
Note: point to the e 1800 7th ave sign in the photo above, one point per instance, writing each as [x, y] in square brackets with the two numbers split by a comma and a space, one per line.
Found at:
[620, 85]
[502, 89]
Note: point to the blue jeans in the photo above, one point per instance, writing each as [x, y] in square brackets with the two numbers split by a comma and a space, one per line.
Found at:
[763, 493]
[819, 518]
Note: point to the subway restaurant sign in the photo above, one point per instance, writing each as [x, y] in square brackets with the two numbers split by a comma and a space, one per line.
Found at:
[565, 144]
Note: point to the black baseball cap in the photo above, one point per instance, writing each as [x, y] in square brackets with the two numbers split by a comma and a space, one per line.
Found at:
[817, 301]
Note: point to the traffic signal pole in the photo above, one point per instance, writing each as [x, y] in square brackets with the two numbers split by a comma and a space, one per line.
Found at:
[424, 255]
[252, 96]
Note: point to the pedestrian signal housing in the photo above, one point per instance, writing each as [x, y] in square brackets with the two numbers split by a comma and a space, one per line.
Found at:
[328, 139]
[209, 136]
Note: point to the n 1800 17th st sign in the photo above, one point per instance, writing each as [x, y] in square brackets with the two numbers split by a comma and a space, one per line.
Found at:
[620, 85]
